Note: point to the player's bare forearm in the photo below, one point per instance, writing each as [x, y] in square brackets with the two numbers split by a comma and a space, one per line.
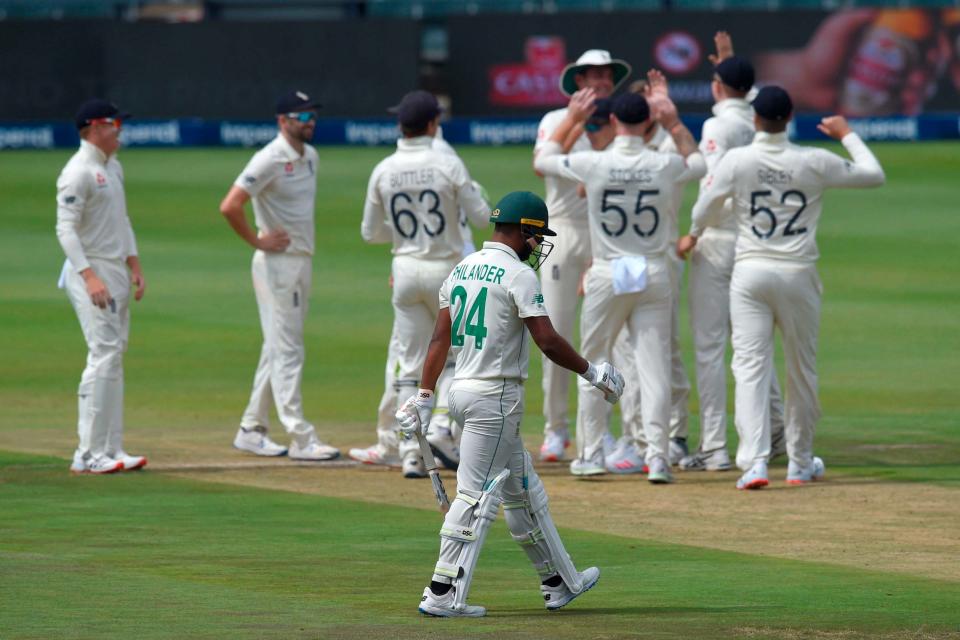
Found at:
[232, 209]
[437, 351]
[683, 139]
[572, 136]
[553, 345]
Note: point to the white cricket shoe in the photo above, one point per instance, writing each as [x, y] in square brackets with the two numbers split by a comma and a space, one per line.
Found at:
[754, 478]
[444, 448]
[659, 471]
[554, 443]
[130, 463]
[377, 454]
[609, 443]
[588, 467]
[313, 450]
[442, 606]
[627, 459]
[617, 452]
[816, 471]
[413, 466]
[677, 450]
[98, 465]
[255, 440]
[716, 460]
[559, 596]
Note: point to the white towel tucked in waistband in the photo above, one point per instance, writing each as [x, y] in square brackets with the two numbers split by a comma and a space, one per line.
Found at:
[629, 274]
[62, 281]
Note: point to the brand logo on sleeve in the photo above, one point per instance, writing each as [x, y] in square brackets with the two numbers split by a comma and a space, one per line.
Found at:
[70, 199]
[249, 179]
[538, 298]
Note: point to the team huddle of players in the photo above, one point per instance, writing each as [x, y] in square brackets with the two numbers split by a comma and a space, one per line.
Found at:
[614, 170]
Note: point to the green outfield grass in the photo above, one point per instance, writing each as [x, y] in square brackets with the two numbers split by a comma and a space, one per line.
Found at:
[166, 557]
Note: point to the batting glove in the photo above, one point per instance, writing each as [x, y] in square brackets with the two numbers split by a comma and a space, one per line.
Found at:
[607, 379]
[414, 415]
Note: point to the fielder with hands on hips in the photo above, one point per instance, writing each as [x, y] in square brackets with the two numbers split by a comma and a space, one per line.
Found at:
[488, 305]
[777, 191]
[281, 180]
[102, 262]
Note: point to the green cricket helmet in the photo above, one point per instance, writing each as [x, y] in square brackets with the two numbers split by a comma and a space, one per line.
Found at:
[530, 212]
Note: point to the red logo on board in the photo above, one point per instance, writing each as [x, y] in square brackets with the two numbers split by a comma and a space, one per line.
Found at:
[534, 82]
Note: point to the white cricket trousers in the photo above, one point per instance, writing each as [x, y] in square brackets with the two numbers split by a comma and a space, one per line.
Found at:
[631, 402]
[490, 413]
[646, 315]
[765, 293]
[559, 280]
[711, 266]
[282, 284]
[416, 304]
[100, 395]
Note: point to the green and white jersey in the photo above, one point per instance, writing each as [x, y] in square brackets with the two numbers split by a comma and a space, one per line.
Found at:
[489, 294]
[777, 191]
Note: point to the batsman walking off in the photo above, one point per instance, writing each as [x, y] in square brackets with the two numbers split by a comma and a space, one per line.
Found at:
[488, 305]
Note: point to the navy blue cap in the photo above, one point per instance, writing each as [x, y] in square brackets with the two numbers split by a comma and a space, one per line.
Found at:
[736, 73]
[631, 108]
[416, 109]
[773, 103]
[294, 101]
[97, 108]
[601, 115]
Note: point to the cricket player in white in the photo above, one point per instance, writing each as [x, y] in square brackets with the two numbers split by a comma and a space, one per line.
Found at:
[631, 190]
[281, 179]
[777, 190]
[95, 233]
[487, 306]
[386, 451]
[711, 265]
[597, 70]
[414, 199]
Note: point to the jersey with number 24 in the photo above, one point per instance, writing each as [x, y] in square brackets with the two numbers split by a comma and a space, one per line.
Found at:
[489, 294]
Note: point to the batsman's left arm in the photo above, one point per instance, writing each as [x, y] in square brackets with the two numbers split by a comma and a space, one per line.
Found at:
[437, 351]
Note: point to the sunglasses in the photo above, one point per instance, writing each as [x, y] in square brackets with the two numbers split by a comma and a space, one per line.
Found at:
[116, 122]
[302, 116]
[593, 127]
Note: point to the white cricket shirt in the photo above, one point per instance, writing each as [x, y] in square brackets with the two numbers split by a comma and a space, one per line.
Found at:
[92, 219]
[283, 186]
[489, 294]
[777, 189]
[414, 198]
[562, 199]
[631, 193]
[730, 127]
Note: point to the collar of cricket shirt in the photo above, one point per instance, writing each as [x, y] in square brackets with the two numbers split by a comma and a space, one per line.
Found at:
[630, 144]
[739, 105]
[500, 246]
[771, 139]
[94, 152]
[415, 144]
[286, 151]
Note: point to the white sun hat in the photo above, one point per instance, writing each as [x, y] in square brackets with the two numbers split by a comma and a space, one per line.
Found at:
[593, 58]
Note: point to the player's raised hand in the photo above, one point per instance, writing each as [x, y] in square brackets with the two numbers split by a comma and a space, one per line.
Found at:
[273, 241]
[656, 85]
[414, 414]
[685, 245]
[582, 105]
[724, 44]
[835, 127]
